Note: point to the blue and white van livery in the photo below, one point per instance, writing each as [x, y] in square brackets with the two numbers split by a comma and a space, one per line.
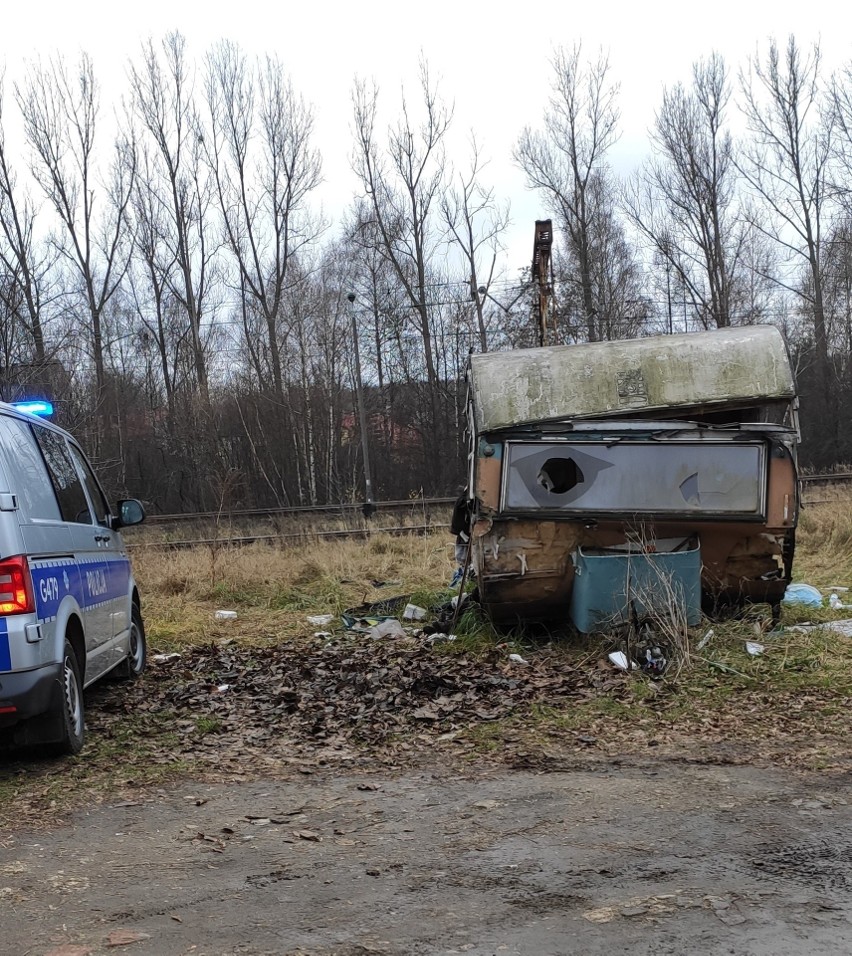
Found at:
[69, 606]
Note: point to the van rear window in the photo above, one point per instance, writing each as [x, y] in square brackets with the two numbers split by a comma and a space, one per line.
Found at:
[26, 470]
[73, 503]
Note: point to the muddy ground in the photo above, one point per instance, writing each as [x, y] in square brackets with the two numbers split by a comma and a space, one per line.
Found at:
[332, 799]
[645, 857]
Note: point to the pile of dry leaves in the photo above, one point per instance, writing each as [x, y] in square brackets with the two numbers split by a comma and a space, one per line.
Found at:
[363, 693]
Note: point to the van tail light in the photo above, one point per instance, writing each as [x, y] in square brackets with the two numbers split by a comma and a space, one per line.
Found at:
[16, 586]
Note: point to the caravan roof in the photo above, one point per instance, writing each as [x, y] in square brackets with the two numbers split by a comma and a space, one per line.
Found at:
[728, 367]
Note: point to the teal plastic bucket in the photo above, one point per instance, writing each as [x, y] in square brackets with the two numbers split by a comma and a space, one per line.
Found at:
[606, 582]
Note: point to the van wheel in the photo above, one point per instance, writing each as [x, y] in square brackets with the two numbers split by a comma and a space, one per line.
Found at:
[70, 708]
[137, 656]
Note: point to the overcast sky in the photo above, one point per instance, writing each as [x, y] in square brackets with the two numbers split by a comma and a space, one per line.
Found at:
[492, 59]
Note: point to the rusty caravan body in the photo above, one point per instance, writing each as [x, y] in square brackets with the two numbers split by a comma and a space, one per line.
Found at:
[682, 447]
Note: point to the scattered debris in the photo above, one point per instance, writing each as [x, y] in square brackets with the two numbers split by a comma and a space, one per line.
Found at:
[709, 635]
[802, 594]
[225, 615]
[367, 616]
[650, 657]
[619, 659]
[414, 613]
[164, 658]
[320, 620]
[754, 648]
[388, 628]
[843, 627]
[836, 604]
[517, 659]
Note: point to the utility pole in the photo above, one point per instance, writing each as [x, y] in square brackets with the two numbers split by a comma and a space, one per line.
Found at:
[542, 275]
[369, 506]
[669, 293]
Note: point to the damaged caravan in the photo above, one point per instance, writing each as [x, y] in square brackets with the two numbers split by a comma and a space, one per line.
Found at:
[603, 475]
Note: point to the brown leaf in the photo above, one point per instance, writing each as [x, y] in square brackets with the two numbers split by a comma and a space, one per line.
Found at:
[124, 937]
[311, 835]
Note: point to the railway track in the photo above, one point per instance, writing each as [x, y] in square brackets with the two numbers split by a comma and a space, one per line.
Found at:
[343, 509]
[239, 541]
[352, 509]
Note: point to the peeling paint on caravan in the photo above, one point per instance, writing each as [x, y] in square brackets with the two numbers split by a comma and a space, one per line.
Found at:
[657, 445]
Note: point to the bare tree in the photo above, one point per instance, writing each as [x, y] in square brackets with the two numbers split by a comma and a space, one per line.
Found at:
[786, 164]
[265, 167]
[567, 160]
[684, 200]
[475, 221]
[60, 112]
[163, 101]
[403, 181]
[26, 264]
[151, 280]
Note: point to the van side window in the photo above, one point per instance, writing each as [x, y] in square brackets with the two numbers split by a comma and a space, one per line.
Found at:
[26, 470]
[66, 482]
[92, 487]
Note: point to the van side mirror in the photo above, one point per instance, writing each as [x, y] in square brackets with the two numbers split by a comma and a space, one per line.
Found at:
[130, 511]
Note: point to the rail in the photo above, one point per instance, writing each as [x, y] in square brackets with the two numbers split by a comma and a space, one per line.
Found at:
[340, 508]
[352, 508]
[297, 536]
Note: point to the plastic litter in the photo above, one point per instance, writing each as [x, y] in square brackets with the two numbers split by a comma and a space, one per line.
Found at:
[225, 615]
[413, 613]
[163, 658]
[836, 604]
[754, 648]
[705, 640]
[366, 616]
[388, 628]
[320, 620]
[619, 658]
[517, 659]
[653, 661]
[843, 627]
[802, 594]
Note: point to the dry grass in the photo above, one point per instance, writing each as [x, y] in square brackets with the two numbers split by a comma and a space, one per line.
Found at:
[274, 589]
[824, 540]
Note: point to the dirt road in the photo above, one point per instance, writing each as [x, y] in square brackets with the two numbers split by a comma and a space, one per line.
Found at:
[635, 857]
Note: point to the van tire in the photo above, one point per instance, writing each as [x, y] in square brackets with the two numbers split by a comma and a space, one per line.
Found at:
[137, 656]
[69, 710]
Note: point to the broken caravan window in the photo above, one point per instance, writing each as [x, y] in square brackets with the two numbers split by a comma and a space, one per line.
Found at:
[636, 477]
[695, 445]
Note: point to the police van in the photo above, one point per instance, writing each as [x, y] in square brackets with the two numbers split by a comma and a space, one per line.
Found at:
[69, 606]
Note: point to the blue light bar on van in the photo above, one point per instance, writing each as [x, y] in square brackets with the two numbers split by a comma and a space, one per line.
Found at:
[35, 407]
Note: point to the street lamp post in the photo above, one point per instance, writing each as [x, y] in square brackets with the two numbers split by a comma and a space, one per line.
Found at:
[369, 507]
